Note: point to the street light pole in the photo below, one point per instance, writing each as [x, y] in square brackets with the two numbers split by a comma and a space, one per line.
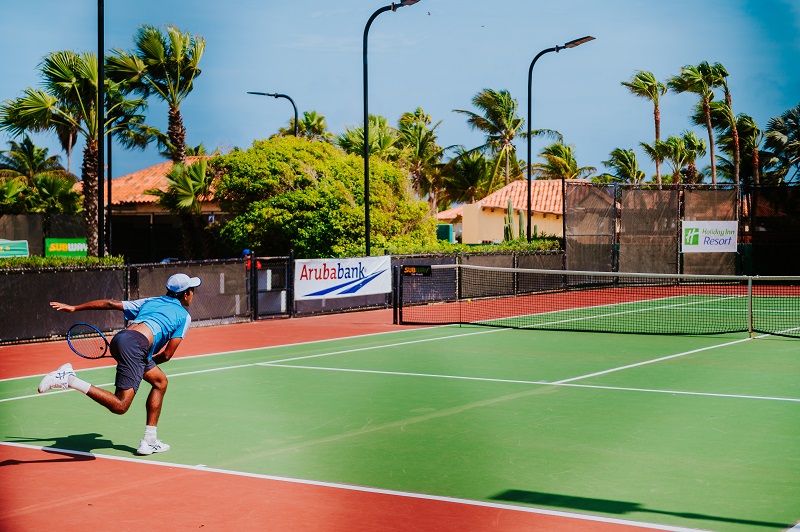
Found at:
[570, 44]
[101, 120]
[277, 95]
[391, 7]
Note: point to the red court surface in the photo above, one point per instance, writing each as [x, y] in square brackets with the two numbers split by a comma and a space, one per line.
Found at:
[32, 359]
[45, 489]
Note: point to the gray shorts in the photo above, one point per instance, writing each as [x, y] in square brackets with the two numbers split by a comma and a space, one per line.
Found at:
[129, 349]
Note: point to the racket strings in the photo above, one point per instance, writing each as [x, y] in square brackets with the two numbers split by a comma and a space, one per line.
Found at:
[87, 341]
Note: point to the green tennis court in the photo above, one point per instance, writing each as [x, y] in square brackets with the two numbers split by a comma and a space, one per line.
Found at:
[699, 432]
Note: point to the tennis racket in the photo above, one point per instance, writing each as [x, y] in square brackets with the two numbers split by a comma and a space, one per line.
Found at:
[87, 341]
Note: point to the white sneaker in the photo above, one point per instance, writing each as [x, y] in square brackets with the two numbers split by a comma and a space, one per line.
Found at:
[57, 379]
[157, 446]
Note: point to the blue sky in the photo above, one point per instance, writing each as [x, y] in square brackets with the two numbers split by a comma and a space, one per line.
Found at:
[436, 55]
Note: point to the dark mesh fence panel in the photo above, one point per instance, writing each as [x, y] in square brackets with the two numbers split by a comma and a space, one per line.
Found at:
[26, 314]
[706, 204]
[23, 227]
[776, 230]
[590, 225]
[648, 234]
[222, 298]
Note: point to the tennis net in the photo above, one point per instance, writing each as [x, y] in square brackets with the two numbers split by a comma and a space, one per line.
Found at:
[598, 301]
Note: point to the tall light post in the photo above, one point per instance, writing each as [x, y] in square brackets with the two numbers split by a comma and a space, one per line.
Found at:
[570, 44]
[101, 121]
[392, 7]
[277, 95]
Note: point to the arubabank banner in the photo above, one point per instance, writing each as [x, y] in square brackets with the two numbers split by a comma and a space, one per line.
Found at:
[332, 278]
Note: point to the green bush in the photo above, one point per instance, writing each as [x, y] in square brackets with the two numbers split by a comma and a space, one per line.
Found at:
[17, 263]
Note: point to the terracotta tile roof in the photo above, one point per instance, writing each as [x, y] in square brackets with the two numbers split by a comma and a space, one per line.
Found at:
[545, 198]
[130, 188]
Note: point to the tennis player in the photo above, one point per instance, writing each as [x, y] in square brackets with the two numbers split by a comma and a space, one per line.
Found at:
[157, 327]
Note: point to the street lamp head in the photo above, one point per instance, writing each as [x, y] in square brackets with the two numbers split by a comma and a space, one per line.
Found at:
[403, 3]
[578, 42]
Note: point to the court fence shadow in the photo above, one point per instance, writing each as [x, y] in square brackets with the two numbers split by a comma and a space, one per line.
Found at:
[606, 506]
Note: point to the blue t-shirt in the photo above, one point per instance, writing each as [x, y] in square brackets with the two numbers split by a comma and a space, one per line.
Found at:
[164, 315]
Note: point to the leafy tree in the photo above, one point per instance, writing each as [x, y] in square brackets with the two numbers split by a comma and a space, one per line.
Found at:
[69, 100]
[163, 64]
[560, 163]
[498, 120]
[187, 188]
[625, 166]
[783, 146]
[701, 80]
[287, 193]
[644, 84]
[12, 195]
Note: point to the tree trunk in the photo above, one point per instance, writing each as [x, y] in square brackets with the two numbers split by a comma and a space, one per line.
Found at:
[177, 135]
[657, 118]
[707, 111]
[89, 175]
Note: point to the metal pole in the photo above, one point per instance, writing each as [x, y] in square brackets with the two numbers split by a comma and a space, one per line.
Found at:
[570, 44]
[366, 127]
[101, 118]
[530, 78]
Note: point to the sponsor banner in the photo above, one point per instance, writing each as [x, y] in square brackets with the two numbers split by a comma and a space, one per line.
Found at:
[13, 248]
[710, 237]
[333, 278]
[65, 247]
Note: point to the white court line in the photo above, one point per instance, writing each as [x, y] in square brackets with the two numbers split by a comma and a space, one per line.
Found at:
[644, 363]
[538, 383]
[292, 359]
[364, 489]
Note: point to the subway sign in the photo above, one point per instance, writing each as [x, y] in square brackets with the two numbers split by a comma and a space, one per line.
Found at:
[65, 247]
[709, 237]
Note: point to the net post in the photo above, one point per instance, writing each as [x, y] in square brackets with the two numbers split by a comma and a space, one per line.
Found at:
[396, 293]
[750, 306]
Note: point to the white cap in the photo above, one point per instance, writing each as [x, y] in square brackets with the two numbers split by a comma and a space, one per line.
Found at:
[181, 282]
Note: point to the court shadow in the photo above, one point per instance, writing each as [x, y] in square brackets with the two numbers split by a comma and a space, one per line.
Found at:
[64, 447]
[555, 500]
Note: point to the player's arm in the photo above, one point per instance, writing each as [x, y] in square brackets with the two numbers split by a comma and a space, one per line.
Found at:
[97, 304]
[168, 351]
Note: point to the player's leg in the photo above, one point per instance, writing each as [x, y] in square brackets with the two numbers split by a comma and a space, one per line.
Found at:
[158, 380]
[150, 443]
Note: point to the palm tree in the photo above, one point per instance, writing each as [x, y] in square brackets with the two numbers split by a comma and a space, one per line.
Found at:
[682, 153]
[25, 159]
[69, 100]
[783, 145]
[730, 118]
[382, 139]
[625, 166]
[701, 80]
[165, 65]
[469, 177]
[645, 85]
[312, 126]
[187, 188]
[421, 154]
[499, 122]
[560, 163]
